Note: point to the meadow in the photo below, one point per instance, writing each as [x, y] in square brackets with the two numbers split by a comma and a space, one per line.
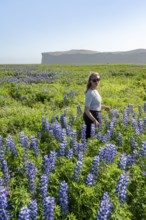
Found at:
[47, 168]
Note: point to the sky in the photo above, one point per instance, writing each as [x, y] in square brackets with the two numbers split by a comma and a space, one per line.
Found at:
[30, 27]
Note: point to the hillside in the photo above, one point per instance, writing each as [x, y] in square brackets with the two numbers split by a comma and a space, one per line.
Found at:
[137, 56]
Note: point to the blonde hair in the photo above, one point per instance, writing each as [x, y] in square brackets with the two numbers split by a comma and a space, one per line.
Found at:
[95, 74]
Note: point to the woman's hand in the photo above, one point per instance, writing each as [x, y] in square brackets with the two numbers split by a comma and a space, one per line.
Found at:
[108, 109]
[96, 123]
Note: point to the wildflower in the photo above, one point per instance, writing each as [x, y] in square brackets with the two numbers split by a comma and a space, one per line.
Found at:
[89, 179]
[33, 207]
[105, 208]
[63, 198]
[121, 187]
[77, 171]
[24, 214]
[48, 208]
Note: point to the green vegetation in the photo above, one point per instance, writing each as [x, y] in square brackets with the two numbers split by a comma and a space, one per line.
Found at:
[30, 92]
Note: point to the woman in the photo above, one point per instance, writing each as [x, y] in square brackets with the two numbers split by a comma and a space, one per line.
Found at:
[92, 112]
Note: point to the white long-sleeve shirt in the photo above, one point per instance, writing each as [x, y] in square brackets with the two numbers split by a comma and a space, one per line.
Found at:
[93, 100]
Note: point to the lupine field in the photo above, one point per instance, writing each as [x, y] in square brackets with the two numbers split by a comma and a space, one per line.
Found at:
[48, 170]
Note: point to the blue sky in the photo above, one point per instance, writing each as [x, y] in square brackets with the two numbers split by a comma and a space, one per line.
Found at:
[30, 27]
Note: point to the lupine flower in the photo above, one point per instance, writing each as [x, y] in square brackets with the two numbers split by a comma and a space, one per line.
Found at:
[83, 132]
[10, 145]
[108, 153]
[79, 110]
[46, 165]
[63, 120]
[133, 143]
[1, 155]
[143, 149]
[44, 186]
[144, 124]
[144, 107]
[126, 119]
[107, 122]
[105, 208]
[123, 162]
[34, 146]
[120, 136]
[89, 180]
[70, 154]
[31, 171]
[140, 126]
[63, 198]
[24, 214]
[62, 149]
[1, 143]
[48, 206]
[64, 139]
[77, 171]
[52, 159]
[33, 207]
[95, 166]
[121, 187]
[74, 146]
[4, 214]
[5, 172]
[80, 156]
[92, 130]
[24, 141]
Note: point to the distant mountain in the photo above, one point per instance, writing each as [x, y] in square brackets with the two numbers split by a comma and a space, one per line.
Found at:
[90, 57]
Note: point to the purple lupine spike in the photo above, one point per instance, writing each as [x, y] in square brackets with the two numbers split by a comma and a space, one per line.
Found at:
[33, 207]
[89, 179]
[44, 186]
[31, 172]
[123, 162]
[34, 146]
[57, 129]
[144, 107]
[25, 161]
[80, 156]
[126, 119]
[105, 208]
[92, 131]
[81, 147]
[52, 158]
[133, 143]
[4, 214]
[108, 153]
[95, 166]
[64, 139]
[62, 149]
[46, 165]
[24, 141]
[144, 124]
[63, 198]
[5, 172]
[74, 146]
[2, 156]
[24, 214]
[70, 154]
[83, 132]
[79, 110]
[140, 126]
[64, 121]
[120, 136]
[121, 187]
[69, 130]
[77, 171]
[143, 149]
[107, 122]
[1, 142]
[10, 145]
[48, 208]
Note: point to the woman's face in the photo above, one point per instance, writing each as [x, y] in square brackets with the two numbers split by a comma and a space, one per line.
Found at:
[94, 81]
